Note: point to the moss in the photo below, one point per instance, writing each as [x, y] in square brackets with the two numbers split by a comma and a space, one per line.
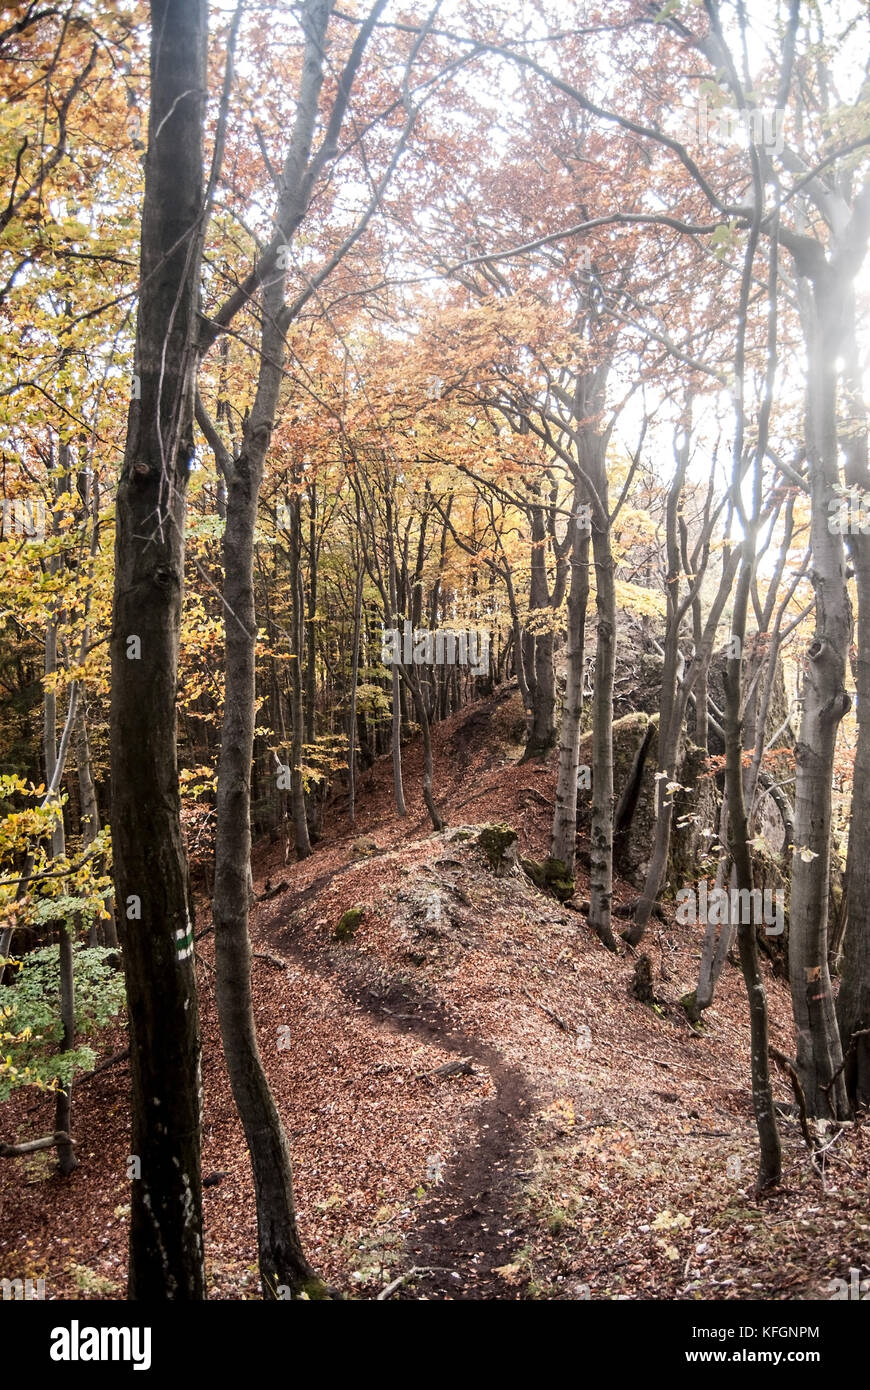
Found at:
[315, 1290]
[348, 923]
[551, 876]
[690, 1004]
[496, 841]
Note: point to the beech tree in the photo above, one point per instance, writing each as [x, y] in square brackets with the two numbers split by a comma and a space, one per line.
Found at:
[150, 865]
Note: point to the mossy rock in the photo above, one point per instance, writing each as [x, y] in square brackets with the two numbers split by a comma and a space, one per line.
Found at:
[497, 843]
[550, 876]
[348, 923]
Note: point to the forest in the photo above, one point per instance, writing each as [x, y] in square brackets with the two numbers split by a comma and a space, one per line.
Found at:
[435, 654]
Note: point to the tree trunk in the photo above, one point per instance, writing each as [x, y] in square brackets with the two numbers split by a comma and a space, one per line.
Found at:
[564, 839]
[542, 734]
[301, 839]
[825, 701]
[592, 452]
[853, 1001]
[354, 678]
[282, 1262]
[770, 1158]
[396, 723]
[90, 814]
[413, 684]
[670, 712]
[66, 1157]
[311, 622]
[150, 866]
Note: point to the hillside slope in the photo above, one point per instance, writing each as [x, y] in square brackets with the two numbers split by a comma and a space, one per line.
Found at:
[477, 1106]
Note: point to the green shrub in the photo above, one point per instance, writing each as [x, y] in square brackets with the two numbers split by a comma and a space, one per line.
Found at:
[30, 1023]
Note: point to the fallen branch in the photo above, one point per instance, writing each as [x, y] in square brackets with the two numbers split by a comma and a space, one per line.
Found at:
[273, 892]
[49, 1142]
[461, 1067]
[278, 963]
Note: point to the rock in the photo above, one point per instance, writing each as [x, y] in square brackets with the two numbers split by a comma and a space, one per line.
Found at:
[214, 1179]
[578, 904]
[364, 848]
[498, 843]
[348, 923]
[550, 875]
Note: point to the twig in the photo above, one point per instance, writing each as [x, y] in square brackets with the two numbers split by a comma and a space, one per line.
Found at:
[560, 1022]
[411, 1274]
[102, 1066]
[861, 1033]
[801, 1100]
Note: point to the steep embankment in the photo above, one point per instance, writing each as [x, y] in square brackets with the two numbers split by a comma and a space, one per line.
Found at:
[471, 1092]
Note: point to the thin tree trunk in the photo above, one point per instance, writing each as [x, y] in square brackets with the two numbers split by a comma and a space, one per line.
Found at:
[301, 839]
[673, 706]
[311, 621]
[770, 1158]
[90, 814]
[354, 679]
[601, 828]
[670, 714]
[396, 724]
[66, 1156]
[564, 837]
[717, 936]
[282, 1261]
[542, 733]
[413, 684]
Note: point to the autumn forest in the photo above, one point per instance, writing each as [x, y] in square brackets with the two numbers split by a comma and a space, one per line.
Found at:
[435, 658]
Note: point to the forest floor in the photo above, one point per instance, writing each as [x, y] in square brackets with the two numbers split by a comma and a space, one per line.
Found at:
[583, 1144]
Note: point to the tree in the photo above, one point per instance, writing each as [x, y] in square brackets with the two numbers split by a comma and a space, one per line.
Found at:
[151, 880]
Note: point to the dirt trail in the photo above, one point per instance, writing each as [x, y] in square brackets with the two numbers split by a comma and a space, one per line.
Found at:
[464, 1232]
